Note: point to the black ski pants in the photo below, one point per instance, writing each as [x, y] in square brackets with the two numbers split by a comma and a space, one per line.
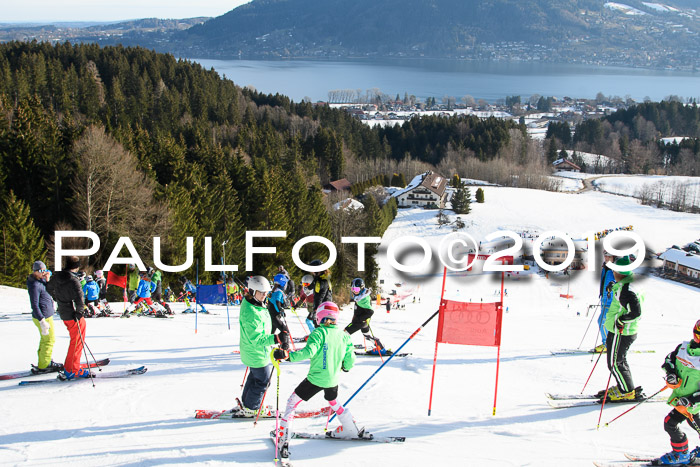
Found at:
[672, 422]
[617, 346]
[359, 320]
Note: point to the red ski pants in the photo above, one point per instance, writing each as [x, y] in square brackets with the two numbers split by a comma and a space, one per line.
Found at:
[75, 348]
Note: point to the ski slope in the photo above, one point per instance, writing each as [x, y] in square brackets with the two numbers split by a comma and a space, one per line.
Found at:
[148, 420]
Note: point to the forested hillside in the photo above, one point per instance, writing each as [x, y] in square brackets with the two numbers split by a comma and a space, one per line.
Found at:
[129, 142]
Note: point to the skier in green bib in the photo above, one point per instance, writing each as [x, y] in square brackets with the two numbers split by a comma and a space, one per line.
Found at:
[621, 323]
[682, 368]
[363, 312]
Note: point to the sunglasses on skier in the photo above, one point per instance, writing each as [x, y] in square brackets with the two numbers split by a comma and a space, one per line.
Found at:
[355, 290]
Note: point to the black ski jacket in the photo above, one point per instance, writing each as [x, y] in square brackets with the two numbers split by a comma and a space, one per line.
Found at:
[65, 288]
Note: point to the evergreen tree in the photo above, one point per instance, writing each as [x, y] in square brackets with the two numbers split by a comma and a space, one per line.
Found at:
[375, 220]
[402, 180]
[479, 195]
[455, 181]
[552, 150]
[21, 242]
[461, 201]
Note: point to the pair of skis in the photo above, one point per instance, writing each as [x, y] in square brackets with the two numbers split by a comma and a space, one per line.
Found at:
[284, 461]
[266, 413]
[589, 351]
[564, 401]
[638, 460]
[28, 373]
[104, 374]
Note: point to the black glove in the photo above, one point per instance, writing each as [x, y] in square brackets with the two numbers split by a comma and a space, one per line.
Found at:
[673, 380]
[342, 367]
[284, 340]
[78, 316]
[609, 287]
[683, 401]
[619, 325]
[280, 354]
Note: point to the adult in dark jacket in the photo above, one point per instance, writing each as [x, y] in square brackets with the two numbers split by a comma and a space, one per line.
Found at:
[65, 288]
[321, 287]
[42, 315]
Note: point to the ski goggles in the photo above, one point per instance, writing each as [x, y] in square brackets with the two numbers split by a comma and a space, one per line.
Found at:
[355, 290]
[306, 284]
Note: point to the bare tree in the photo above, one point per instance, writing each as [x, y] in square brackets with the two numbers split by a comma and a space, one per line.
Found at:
[113, 198]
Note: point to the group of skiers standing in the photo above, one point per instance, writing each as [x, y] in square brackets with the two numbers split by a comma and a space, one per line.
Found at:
[264, 334]
[621, 309]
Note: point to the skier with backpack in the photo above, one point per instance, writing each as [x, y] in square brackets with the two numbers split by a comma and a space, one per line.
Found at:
[363, 312]
[330, 351]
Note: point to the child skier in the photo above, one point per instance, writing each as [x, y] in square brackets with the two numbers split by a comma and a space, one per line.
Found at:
[363, 312]
[307, 296]
[682, 368]
[330, 351]
[143, 292]
[91, 291]
[276, 304]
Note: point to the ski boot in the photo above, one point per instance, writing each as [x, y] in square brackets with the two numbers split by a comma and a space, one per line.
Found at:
[673, 458]
[53, 367]
[69, 375]
[694, 455]
[614, 395]
[348, 427]
[599, 349]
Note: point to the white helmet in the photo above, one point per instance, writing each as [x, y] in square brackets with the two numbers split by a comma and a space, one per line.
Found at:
[259, 284]
[307, 279]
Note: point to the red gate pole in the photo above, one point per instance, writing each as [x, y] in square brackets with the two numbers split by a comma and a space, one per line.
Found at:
[432, 382]
[498, 356]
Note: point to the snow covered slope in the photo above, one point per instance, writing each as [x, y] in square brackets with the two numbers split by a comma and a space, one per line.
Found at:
[148, 419]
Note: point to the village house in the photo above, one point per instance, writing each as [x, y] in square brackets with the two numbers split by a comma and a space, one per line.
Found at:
[555, 252]
[338, 185]
[681, 265]
[425, 190]
[565, 164]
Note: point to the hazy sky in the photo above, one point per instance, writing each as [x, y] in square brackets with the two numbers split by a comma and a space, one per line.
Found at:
[110, 10]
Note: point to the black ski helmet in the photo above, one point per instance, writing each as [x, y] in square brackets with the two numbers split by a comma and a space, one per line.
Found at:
[316, 262]
[358, 282]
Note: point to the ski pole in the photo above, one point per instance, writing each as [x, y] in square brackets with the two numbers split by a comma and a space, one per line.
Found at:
[244, 375]
[600, 300]
[99, 368]
[376, 346]
[605, 397]
[277, 410]
[420, 328]
[589, 376]
[294, 310]
[637, 405]
[80, 333]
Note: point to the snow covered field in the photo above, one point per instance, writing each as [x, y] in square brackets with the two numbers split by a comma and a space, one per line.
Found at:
[148, 420]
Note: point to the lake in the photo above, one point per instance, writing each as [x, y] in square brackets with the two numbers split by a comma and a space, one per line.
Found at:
[437, 78]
